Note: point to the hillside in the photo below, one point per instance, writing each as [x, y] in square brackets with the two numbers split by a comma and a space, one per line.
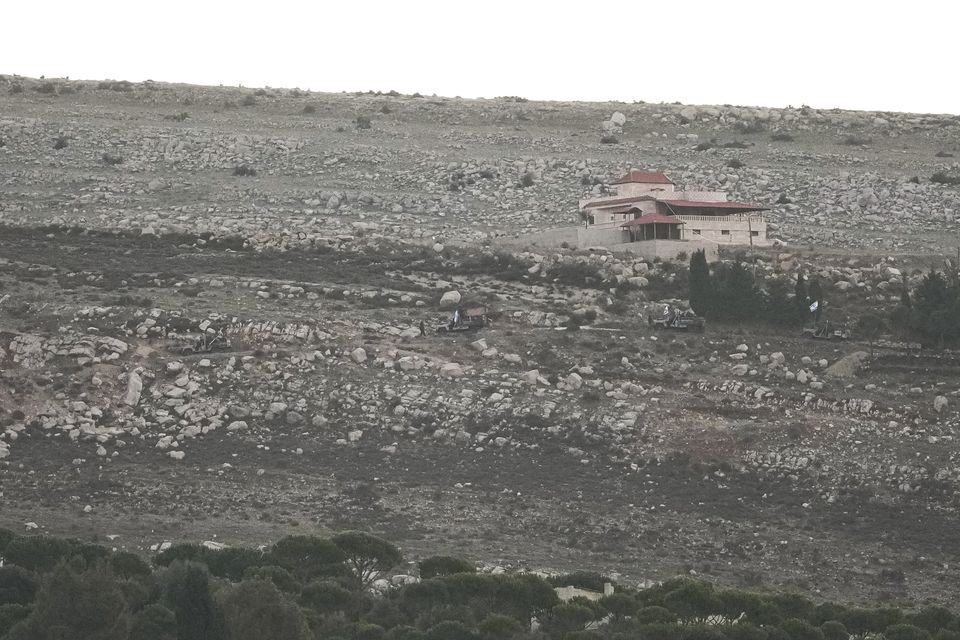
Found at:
[307, 247]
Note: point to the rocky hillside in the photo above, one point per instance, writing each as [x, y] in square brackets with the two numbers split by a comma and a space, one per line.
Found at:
[210, 311]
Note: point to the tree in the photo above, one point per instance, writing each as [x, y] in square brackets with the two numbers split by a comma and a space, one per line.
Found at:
[86, 605]
[871, 326]
[255, 609]
[834, 630]
[800, 295]
[17, 585]
[444, 566]
[499, 627]
[700, 287]
[620, 605]
[154, 622]
[188, 593]
[325, 596]
[778, 309]
[565, 618]
[905, 632]
[306, 557]
[736, 296]
[367, 555]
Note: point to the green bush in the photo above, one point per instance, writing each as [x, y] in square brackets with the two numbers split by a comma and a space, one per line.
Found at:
[154, 622]
[88, 604]
[905, 632]
[942, 177]
[326, 596]
[656, 615]
[833, 630]
[255, 609]
[42, 553]
[129, 565]
[444, 566]
[280, 577]
[17, 585]
[450, 630]
[10, 615]
[499, 627]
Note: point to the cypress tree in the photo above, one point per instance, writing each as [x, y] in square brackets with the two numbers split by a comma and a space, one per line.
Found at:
[699, 284]
[800, 295]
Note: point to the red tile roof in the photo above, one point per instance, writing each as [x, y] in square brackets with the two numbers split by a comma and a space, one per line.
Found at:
[701, 204]
[652, 218]
[644, 177]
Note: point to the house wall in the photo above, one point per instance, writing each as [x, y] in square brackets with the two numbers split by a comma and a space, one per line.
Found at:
[733, 229]
[603, 217]
[630, 189]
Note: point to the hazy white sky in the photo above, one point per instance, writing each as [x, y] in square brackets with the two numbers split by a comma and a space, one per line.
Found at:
[896, 56]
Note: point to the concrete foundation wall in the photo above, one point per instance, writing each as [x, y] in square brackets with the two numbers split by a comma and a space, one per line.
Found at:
[726, 230]
[668, 249]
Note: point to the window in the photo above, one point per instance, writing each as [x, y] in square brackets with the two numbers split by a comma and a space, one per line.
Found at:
[725, 232]
[754, 233]
[696, 232]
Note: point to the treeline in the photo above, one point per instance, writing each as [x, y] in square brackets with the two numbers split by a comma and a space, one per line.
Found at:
[729, 292]
[931, 313]
[305, 587]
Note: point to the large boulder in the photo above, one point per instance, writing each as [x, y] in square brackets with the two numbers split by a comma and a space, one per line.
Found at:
[450, 299]
[134, 388]
[359, 355]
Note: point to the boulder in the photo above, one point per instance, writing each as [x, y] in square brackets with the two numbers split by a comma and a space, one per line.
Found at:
[134, 388]
[940, 404]
[359, 355]
[450, 299]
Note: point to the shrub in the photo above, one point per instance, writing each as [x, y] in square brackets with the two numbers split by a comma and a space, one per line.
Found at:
[129, 565]
[857, 141]
[10, 615]
[16, 87]
[363, 122]
[177, 117]
[60, 143]
[736, 144]
[17, 585]
[942, 177]
[47, 88]
[833, 630]
[309, 109]
[609, 139]
[325, 596]
[783, 199]
[111, 159]
[6, 536]
[244, 171]
[248, 101]
[704, 146]
[735, 163]
[781, 136]
[385, 109]
[944, 154]
[905, 632]
[444, 566]
[527, 179]
[280, 577]
[42, 553]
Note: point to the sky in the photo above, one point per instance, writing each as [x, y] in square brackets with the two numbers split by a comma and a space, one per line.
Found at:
[852, 54]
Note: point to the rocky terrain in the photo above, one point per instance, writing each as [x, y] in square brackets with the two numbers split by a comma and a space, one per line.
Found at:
[299, 239]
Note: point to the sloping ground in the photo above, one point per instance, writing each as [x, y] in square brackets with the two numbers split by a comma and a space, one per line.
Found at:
[732, 453]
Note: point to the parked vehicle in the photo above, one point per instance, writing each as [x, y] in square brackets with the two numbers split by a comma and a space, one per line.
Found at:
[464, 321]
[676, 319]
[827, 331]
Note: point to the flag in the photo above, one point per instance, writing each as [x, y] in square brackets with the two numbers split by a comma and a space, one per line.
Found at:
[813, 307]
